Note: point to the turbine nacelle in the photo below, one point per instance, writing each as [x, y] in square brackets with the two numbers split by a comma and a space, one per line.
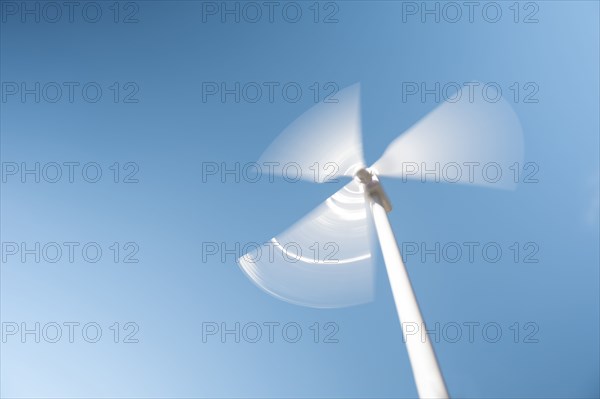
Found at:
[373, 188]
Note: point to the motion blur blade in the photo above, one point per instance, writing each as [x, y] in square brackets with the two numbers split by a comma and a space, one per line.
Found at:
[322, 261]
[464, 140]
[323, 143]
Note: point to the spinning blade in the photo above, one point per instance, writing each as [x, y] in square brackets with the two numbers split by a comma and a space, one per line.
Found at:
[328, 134]
[464, 141]
[322, 261]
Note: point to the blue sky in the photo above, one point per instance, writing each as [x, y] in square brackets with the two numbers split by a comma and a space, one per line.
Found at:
[159, 123]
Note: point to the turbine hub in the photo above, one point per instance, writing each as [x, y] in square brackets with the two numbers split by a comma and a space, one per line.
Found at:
[373, 188]
[364, 176]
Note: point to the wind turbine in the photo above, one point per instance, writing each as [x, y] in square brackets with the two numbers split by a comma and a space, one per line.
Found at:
[325, 259]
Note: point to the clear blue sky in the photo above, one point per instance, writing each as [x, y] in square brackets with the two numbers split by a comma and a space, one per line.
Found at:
[168, 61]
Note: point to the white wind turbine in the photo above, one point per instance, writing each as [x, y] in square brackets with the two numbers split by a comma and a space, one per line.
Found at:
[325, 259]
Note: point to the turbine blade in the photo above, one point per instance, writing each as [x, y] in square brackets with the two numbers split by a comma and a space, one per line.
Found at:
[465, 141]
[322, 261]
[323, 143]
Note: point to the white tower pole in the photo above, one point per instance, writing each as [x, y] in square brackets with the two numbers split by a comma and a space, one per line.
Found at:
[426, 371]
